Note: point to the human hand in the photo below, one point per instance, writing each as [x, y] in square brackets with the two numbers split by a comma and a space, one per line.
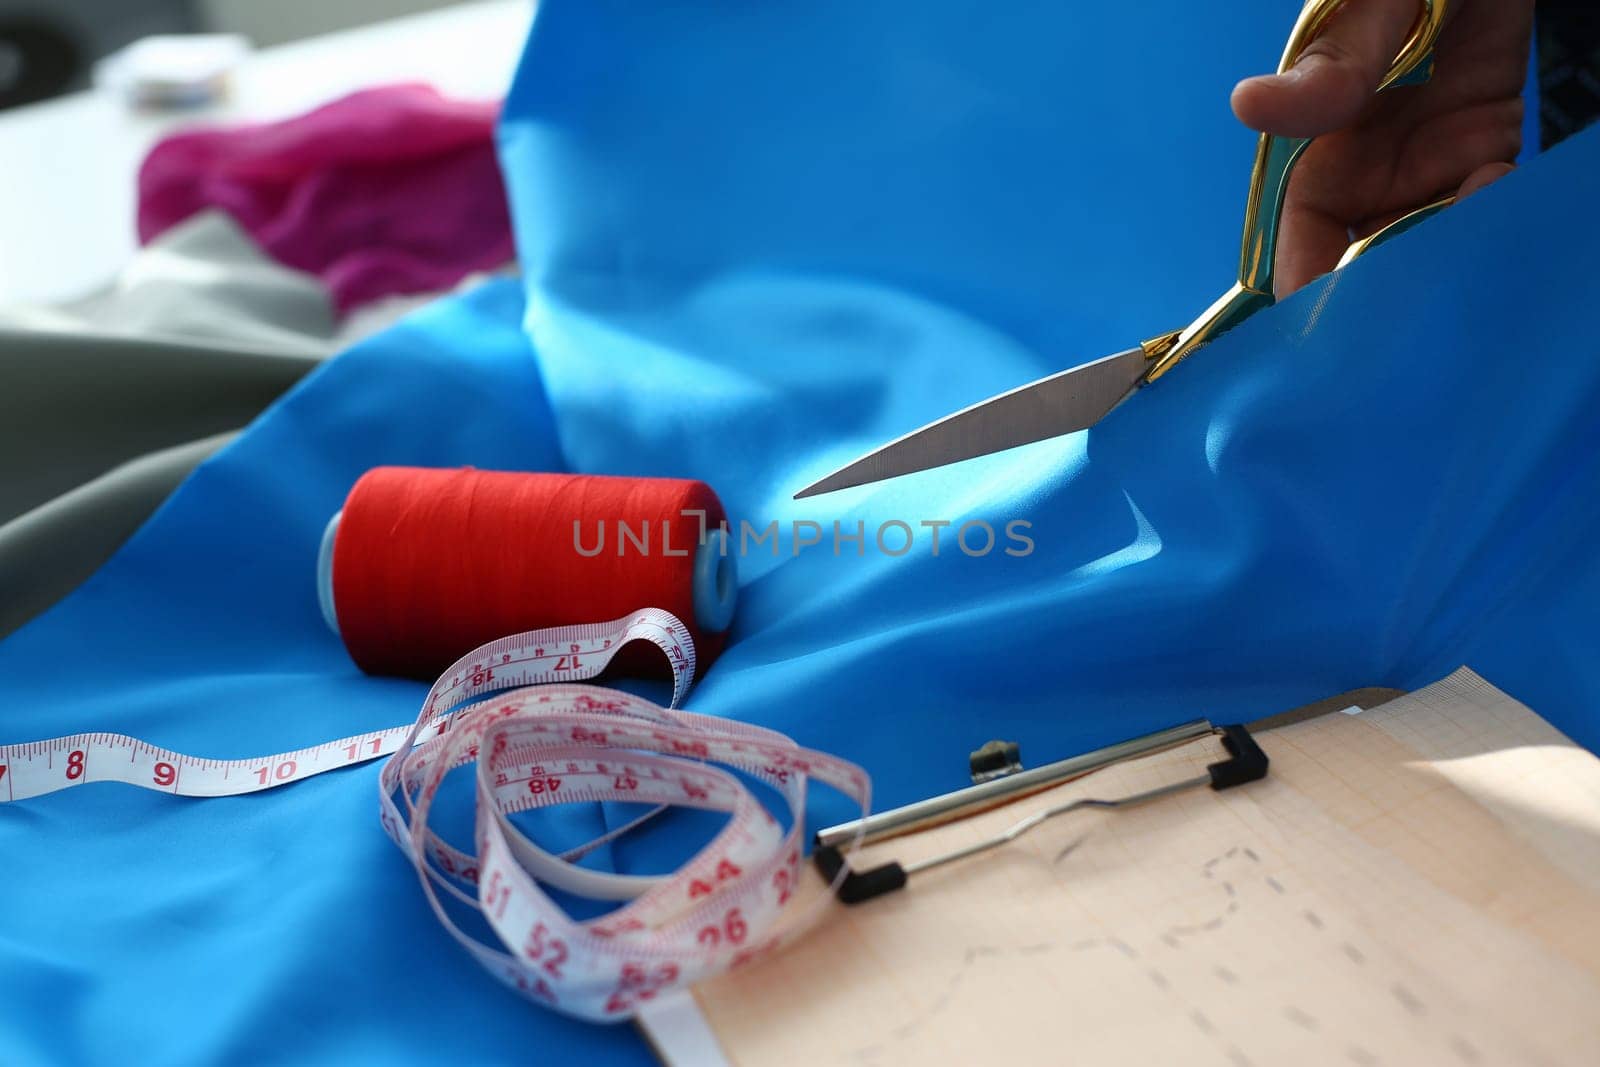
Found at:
[1375, 160]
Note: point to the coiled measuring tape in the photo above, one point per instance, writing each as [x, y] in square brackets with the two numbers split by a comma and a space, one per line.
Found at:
[537, 739]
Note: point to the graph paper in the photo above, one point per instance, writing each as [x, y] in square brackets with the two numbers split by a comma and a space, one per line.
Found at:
[1416, 884]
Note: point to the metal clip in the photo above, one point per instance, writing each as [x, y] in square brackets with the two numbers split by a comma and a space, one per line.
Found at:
[1247, 763]
[994, 760]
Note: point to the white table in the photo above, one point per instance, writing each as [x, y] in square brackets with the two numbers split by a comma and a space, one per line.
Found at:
[68, 166]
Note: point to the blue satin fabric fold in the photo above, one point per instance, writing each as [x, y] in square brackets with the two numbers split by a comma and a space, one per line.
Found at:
[759, 239]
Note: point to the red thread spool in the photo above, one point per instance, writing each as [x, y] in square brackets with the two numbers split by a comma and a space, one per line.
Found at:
[424, 565]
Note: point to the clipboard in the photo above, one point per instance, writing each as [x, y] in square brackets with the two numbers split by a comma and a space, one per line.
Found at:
[1416, 881]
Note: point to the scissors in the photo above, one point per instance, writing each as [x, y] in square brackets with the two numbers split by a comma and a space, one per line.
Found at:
[1076, 399]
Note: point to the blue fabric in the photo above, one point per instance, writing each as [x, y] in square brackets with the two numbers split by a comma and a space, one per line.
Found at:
[759, 239]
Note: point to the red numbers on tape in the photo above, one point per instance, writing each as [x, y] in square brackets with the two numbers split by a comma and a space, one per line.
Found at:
[782, 880]
[40, 767]
[282, 772]
[726, 869]
[639, 982]
[550, 952]
[353, 750]
[563, 743]
[732, 928]
[539, 729]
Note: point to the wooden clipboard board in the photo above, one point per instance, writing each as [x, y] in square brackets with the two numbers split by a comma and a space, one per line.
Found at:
[1417, 881]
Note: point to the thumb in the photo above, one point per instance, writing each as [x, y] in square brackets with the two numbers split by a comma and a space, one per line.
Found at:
[1334, 78]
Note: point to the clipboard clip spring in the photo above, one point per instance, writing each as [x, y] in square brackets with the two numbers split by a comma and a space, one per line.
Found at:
[1246, 763]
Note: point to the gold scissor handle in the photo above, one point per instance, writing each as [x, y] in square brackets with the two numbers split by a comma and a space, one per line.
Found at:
[1269, 181]
[1394, 229]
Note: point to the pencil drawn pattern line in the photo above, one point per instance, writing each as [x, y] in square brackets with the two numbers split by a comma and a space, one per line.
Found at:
[1174, 938]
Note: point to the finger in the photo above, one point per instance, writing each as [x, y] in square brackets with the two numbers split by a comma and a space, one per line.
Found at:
[1439, 153]
[1310, 242]
[1459, 152]
[1485, 175]
[1479, 179]
[1335, 76]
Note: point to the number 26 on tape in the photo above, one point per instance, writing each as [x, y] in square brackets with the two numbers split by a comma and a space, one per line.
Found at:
[733, 928]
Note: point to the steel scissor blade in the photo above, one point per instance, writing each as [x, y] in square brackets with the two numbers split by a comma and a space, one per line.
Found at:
[1060, 404]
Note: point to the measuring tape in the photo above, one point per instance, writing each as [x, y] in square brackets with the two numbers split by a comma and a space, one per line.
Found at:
[542, 741]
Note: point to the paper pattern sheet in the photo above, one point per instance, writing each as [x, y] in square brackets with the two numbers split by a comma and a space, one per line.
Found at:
[1417, 884]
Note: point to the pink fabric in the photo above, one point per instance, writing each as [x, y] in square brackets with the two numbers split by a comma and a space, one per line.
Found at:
[387, 191]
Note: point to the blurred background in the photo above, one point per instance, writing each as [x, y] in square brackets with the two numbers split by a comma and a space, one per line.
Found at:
[49, 48]
[89, 87]
[200, 200]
